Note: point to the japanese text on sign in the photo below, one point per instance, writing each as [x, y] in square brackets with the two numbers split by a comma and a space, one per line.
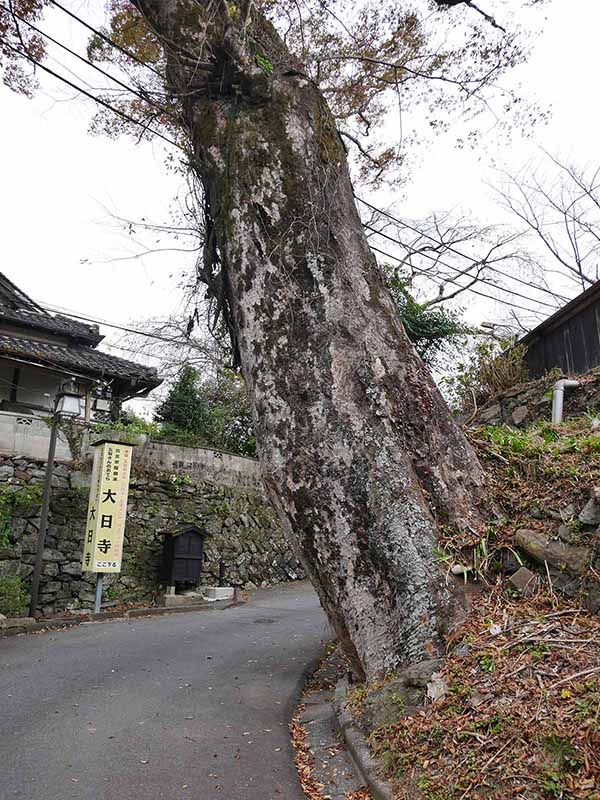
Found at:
[103, 543]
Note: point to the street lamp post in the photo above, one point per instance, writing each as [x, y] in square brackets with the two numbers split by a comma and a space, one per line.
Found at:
[67, 404]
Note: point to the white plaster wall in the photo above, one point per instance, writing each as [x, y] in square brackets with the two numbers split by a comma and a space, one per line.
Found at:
[29, 436]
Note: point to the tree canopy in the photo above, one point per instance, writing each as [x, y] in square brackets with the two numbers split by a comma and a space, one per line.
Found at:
[392, 73]
[213, 412]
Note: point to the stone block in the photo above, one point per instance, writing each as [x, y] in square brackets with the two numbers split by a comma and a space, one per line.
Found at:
[29, 543]
[179, 600]
[14, 551]
[15, 568]
[525, 582]
[72, 568]
[567, 535]
[18, 526]
[218, 592]
[492, 413]
[557, 554]
[590, 514]
[19, 622]
[6, 472]
[563, 514]
[519, 415]
[53, 555]
[80, 480]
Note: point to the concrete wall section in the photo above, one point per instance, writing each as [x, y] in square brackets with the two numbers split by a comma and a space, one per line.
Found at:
[212, 466]
[28, 436]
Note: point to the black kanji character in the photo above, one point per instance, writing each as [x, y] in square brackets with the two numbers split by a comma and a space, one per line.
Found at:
[106, 521]
[92, 513]
[109, 495]
[87, 559]
[90, 536]
[104, 545]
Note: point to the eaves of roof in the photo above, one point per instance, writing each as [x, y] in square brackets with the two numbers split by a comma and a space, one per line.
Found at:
[62, 326]
[573, 307]
[80, 358]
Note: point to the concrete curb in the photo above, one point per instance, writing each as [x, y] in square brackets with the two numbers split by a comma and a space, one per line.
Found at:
[358, 748]
[17, 625]
[309, 670]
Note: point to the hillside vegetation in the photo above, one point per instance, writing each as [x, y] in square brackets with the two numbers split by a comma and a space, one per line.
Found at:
[514, 709]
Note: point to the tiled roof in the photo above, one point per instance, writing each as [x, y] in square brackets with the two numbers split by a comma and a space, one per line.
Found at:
[63, 326]
[11, 295]
[79, 359]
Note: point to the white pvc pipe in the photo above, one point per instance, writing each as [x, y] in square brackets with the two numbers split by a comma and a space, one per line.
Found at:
[558, 394]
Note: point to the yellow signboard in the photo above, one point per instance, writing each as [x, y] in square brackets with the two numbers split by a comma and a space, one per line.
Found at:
[103, 543]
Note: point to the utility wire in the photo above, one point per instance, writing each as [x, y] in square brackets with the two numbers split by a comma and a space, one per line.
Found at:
[143, 96]
[56, 310]
[454, 250]
[106, 39]
[139, 61]
[466, 273]
[129, 118]
[93, 97]
[455, 283]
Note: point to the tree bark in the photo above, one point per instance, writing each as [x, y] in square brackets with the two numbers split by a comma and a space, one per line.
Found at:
[359, 454]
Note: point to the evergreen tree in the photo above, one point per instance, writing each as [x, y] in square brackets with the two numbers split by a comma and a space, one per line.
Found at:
[185, 407]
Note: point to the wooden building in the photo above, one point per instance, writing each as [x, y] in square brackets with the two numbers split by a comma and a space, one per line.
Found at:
[568, 340]
[40, 351]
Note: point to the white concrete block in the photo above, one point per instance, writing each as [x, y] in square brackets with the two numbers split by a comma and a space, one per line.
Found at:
[218, 592]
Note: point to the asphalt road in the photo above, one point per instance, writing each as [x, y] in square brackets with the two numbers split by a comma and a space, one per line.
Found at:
[185, 707]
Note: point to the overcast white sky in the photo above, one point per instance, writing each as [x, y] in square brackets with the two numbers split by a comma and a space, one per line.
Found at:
[58, 181]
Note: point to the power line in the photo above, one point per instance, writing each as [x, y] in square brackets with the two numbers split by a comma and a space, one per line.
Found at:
[146, 128]
[455, 251]
[463, 272]
[455, 283]
[86, 61]
[106, 39]
[57, 310]
[93, 97]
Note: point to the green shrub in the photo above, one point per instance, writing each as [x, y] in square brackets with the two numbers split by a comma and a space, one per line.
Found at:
[24, 499]
[436, 332]
[13, 596]
[128, 423]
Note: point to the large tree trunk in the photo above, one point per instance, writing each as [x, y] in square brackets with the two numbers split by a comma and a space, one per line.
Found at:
[358, 451]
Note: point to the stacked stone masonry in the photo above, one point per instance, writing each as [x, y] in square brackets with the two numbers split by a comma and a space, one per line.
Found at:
[527, 403]
[241, 530]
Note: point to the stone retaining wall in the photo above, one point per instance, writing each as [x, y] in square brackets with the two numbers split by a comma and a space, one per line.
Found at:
[529, 402]
[241, 530]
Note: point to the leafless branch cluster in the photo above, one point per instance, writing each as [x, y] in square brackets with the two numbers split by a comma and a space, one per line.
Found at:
[559, 206]
[444, 257]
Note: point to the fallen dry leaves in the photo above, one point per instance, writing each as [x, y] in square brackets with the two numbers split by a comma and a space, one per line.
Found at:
[521, 716]
[303, 758]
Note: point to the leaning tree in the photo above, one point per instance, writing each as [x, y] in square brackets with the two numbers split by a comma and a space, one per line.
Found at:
[359, 454]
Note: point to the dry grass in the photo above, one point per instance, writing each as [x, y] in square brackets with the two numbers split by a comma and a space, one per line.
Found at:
[521, 717]
[521, 714]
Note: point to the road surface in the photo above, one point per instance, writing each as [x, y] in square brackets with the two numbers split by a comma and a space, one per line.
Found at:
[186, 707]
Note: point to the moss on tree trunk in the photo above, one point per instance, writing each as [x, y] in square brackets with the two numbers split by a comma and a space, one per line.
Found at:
[359, 454]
